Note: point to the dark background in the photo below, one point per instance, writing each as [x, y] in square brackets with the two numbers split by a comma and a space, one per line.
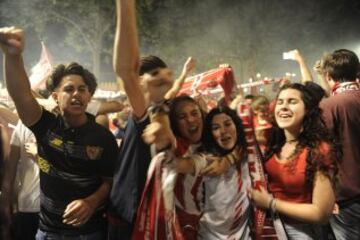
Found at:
[249, 34]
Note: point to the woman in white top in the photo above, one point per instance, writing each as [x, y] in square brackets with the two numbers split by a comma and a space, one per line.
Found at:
[226, 207]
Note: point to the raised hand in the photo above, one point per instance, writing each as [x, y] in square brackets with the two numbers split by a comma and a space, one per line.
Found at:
[189, 65]
[11, 40]
[158, 132]
[317, 67]
[297, 56]
[225, 65]
[31, 150]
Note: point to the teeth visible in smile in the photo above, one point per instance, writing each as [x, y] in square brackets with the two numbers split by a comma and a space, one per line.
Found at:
[284, 115]
[193, 128]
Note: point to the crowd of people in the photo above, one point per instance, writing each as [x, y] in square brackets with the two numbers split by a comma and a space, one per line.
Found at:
[247, 168]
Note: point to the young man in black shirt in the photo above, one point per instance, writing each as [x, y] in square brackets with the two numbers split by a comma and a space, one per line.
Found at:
[75, 154]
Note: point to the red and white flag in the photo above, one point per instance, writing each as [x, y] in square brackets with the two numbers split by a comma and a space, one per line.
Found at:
[210, 82]
[42, 70]
[156, 218]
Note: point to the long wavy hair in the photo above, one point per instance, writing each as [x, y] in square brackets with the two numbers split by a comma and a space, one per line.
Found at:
[209, 143]
[314, 132]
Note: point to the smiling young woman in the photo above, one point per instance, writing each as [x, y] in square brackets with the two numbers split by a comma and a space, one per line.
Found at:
[300, 164]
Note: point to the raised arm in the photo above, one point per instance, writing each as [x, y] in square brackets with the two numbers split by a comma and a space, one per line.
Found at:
[110, 107]
[234, 103]
[304, 70]
[323, 82]
[17, 82]
[188, 67]
[126, 55]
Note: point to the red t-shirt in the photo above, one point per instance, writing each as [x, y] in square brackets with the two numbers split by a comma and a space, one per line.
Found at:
[287, 180]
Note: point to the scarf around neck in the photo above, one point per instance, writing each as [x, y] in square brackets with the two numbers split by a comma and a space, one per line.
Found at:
[345, 87]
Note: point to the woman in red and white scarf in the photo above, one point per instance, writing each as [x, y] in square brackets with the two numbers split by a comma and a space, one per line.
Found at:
[226, 206]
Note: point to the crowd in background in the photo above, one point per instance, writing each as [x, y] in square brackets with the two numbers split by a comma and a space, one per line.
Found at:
[164, 165]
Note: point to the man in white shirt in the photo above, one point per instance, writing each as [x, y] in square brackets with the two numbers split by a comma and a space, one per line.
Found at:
[21, 180]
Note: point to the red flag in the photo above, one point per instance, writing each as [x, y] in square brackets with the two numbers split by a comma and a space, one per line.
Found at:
[42, 70]
[156, 218]
[212, 81]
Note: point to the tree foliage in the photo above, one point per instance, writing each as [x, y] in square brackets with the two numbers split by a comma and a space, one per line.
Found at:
[86, 27]
[248, 34]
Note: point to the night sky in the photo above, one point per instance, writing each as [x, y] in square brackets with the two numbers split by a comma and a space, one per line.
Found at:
[250, 35]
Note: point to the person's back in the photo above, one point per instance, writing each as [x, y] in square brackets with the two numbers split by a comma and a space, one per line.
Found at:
[344, 111]
[341, 113]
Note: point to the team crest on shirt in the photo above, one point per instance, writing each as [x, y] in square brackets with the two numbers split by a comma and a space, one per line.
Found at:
[43, 165]
[93, 152]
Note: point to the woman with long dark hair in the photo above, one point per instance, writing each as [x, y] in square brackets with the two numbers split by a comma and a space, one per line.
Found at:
[226, 211]
[300, 163]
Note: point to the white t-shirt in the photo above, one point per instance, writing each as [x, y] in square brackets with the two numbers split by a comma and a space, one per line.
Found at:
[227, 208]
[27, 181]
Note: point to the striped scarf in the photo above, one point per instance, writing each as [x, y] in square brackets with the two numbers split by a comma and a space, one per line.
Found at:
[257, 173]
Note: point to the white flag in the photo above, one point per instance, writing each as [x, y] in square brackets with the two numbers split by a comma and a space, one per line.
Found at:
[41, 71]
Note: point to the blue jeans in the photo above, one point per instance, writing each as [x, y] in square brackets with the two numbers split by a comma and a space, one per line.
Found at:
[40, 235]
[346, 224]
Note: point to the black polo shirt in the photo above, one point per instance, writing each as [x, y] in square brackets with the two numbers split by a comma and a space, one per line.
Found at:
[72, 163]
[130, 172]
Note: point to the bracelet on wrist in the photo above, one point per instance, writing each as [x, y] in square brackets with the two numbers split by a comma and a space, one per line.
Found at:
[159, 108]
[272, 205]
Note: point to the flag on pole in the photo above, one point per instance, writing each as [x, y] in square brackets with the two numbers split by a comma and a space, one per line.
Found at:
[42, 70]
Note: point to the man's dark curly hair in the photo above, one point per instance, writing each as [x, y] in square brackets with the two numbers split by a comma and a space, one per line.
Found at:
[314, 133]
[62, 70]
[209, 143]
